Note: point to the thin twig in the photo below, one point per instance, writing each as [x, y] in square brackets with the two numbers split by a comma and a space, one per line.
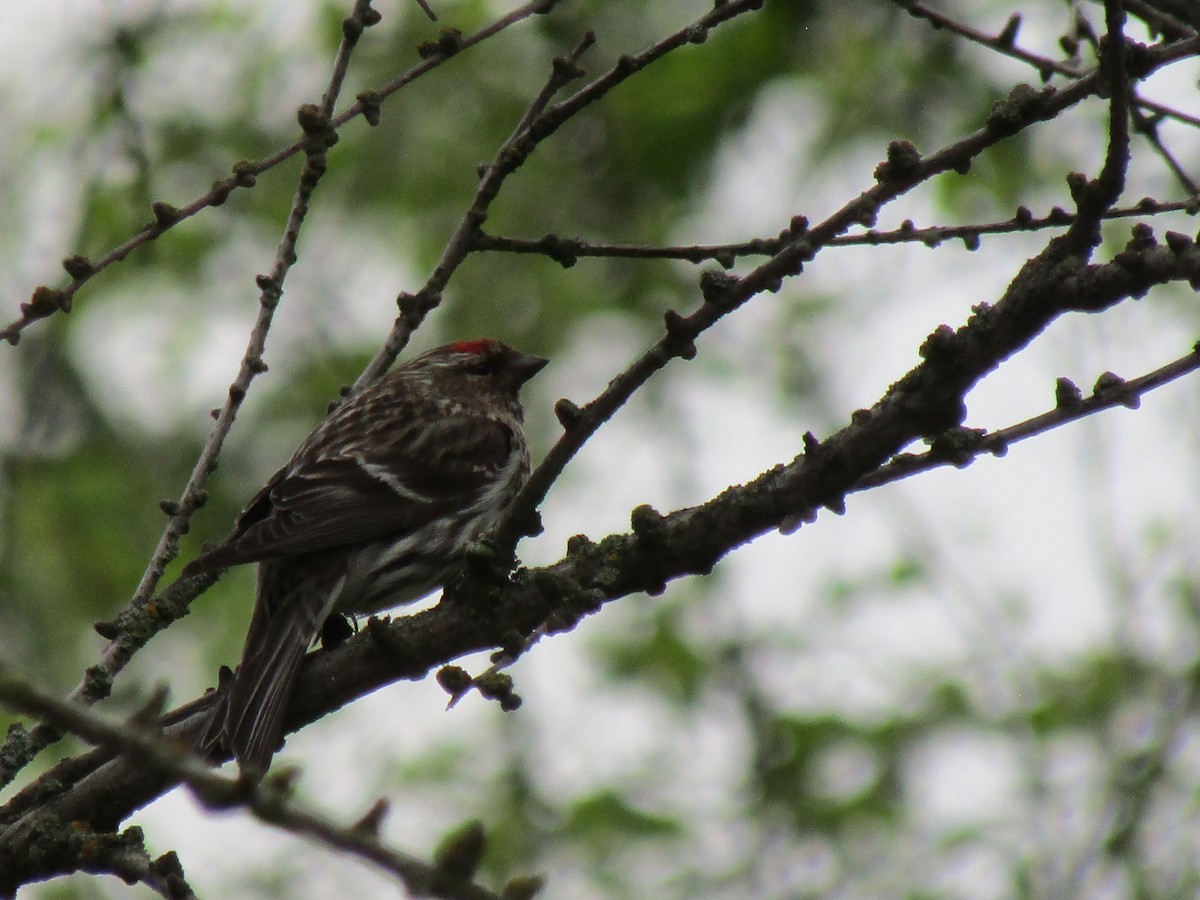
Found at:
[427, 9]
[1002, 43]
[1169, 112]
[1147, 126]
[1107, 394]
[566, 250]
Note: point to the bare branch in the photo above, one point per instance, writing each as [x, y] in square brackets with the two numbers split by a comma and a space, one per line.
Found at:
[566, 250]
[1004, 42]
[1147, 126]
[961, 447]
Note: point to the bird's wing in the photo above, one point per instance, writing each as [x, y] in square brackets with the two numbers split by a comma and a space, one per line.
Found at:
[418, 472]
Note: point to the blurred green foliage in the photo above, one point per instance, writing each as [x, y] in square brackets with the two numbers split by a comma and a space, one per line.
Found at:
[80, 488]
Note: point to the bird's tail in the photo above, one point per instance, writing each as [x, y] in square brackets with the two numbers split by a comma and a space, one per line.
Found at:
[248, 721]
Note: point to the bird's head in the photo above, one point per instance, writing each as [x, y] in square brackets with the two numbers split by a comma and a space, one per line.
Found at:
[487, 364]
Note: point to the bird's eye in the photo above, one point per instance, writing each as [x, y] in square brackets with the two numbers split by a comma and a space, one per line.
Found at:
[483, 367]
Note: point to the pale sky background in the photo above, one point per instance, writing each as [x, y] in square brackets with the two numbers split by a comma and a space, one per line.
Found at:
[1026, 545]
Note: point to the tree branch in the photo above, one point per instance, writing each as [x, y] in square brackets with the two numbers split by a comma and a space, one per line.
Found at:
[959, 448]
[567, 250]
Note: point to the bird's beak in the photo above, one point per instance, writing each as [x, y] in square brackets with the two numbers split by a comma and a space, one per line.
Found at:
[525, 366]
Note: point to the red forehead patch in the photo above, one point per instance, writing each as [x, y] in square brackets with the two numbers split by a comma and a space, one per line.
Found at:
[479, 346]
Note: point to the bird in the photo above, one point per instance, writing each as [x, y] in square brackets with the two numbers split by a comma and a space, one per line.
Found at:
[374, 510]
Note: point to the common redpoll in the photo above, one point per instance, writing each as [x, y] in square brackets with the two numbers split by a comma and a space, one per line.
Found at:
[374, 510]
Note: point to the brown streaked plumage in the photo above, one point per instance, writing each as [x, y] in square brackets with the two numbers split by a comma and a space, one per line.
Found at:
[373, 510]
